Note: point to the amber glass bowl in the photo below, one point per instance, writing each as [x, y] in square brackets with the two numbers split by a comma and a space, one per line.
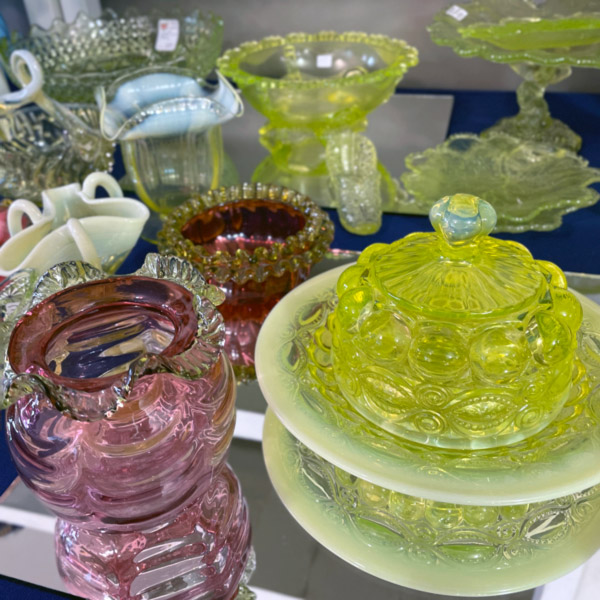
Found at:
[254, 241]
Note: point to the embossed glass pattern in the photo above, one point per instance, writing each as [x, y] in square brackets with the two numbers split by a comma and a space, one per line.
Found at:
[293, 359]
[36, 153]
[79, 56]
[440, 547]
[475, 316]
[531, 186]
[121, 410]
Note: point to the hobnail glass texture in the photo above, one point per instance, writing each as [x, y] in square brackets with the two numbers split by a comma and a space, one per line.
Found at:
[77, 57]
[37, 154]
[541, 41]
[310, 87]
[255, 242]
[531, 186]
[439, 547]
[457, 309]
[121, 410]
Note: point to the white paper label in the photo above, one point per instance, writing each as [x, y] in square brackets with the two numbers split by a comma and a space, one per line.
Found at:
[167, 36]
[456, 12]
[324, 61]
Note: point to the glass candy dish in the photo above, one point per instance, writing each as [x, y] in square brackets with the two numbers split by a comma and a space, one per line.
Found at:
[530, 185]
[540, 40]
[312, 88]
[89, 52]
[438, 547]
[461, 311]
[256, 242]
[120, 410]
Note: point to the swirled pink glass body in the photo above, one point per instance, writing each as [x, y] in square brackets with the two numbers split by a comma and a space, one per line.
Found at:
[130, 478]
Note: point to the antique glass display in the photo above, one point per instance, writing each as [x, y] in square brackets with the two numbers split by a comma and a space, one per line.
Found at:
[530, 185]
[89, 52]
[255, 242]
[120, 412]
[312, 87]
[73, 225]
[168, 126]
[47, 145]
[462, 521]
[541, 41]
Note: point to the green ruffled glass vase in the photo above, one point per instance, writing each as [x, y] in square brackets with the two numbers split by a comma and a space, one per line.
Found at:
[540, 40]
[312, 88]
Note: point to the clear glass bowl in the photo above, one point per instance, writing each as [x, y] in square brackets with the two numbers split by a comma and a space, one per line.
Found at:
[79, 56]
[255, 242]
[36, 154]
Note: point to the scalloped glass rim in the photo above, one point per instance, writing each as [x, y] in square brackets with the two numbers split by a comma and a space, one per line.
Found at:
[331, 528]
[567, 464]
[229, 63]
[549, 212]
[112, 391]
[302, 249]
[445, 32]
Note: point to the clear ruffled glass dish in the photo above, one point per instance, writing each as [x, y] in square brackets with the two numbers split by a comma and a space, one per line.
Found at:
[530, 185]
[36, 153]
[541, 41]
[312, 88]
[256, 242]
[79, 56]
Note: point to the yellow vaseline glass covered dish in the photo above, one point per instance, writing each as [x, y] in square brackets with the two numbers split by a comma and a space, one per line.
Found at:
[454, 338]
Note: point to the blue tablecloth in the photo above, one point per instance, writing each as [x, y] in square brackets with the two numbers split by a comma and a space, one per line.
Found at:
[574, 246]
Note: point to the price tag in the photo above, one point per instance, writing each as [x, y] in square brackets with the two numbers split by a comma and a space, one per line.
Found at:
[457, 12]
[324, 61]
[167, 36]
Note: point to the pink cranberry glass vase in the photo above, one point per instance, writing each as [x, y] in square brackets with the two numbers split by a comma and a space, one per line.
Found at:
[120, 413]
[255, 242]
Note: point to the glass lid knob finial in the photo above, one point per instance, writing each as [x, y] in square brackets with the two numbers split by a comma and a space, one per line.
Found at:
[462, 218]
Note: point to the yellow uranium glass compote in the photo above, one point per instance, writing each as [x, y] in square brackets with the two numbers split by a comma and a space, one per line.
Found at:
[540, 39]
[312, 88]
[454, 338]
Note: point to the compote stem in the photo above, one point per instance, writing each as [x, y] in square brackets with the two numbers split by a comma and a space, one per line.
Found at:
[534, 122]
